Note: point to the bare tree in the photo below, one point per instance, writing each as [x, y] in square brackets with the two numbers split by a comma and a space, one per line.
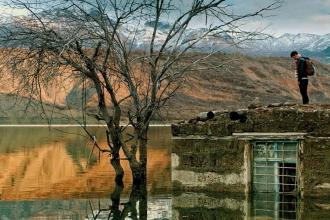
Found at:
[99, 42]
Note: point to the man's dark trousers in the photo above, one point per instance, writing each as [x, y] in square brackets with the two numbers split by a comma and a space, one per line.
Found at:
[303, 83]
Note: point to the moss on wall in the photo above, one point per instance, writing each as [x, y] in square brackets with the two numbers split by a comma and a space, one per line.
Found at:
[209, 164]
[316, 166]
[223, 156]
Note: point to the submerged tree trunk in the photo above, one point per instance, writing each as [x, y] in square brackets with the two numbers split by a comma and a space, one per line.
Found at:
[115, 198]
[140, 176]
[115, 162]
[136, 207]
[139, 170]
[115, 148]
[140, 193]
[119, 186]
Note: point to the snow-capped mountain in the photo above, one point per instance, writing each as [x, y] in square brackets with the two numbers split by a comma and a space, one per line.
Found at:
[288, 42]
[309, 44]
[315, 46]
[140, 37]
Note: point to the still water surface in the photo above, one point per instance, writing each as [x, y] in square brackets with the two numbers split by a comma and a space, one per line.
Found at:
[49, 174]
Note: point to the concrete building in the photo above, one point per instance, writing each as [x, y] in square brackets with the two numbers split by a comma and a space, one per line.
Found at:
[276, 154]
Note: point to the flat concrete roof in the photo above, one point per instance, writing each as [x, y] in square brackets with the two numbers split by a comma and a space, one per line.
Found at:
[246, 135]
[270, 135]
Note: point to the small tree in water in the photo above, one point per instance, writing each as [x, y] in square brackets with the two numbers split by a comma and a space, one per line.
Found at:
[99, 42]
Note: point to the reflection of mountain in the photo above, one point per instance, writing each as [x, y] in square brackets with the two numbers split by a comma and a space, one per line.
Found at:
[44, 166]
[50, 170]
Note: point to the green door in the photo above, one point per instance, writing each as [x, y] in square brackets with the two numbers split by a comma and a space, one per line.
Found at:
[275, 166]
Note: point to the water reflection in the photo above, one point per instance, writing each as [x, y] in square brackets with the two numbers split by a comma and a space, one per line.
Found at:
[77, 209]
[44, 175]
[135, 208]
[202, 206]
[52, 174]
[263, 206]
[40, 164]
[275, 206]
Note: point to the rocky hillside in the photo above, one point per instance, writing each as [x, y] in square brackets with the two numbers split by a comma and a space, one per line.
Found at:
[247, 79]
[234, 85]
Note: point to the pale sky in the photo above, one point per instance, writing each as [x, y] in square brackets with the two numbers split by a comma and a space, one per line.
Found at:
[295, 16]
[5, 10]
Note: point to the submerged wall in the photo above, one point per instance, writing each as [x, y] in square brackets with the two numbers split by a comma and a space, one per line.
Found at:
[315, 168]
[215, 164]
[209, 155]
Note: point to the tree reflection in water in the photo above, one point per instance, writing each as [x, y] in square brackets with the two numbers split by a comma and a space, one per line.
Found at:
[135, 208]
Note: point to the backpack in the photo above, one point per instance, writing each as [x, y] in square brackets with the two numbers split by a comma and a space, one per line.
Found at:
[310, 68]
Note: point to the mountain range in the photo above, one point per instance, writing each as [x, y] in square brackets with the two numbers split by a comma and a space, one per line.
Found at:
[316, 46]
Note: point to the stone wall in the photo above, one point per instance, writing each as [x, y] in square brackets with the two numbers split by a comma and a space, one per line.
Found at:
[214, 164]
[315, 169]
[313, 119]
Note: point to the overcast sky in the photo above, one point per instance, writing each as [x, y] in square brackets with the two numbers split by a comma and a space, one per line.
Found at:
[295, 16]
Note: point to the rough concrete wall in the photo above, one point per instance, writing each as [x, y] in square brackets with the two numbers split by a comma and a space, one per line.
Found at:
[283, 118]
[209, 164]
[316, 167]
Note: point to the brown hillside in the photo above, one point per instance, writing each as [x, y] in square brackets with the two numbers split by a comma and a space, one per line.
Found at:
[234, 85]
[239, 83]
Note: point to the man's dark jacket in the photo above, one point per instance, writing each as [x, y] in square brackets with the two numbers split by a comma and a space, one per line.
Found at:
[301, 68]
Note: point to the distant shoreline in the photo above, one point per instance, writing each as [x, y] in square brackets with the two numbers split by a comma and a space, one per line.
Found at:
[70, 125]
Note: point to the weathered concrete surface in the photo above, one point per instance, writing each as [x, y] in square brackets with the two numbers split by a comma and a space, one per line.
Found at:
[215, 164]
[313, 119]
[315, 168]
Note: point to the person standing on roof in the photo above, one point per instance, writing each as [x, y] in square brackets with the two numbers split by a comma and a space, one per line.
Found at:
[301, 74]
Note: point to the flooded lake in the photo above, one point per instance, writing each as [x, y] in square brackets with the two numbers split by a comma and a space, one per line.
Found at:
[52, 174]
[48, 173]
